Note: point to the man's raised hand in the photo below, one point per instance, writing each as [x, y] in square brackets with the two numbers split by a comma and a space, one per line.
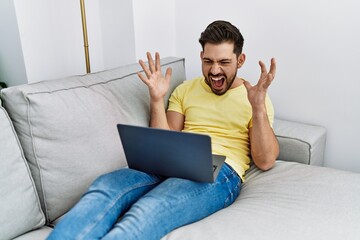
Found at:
[154, 79]
[257, 93]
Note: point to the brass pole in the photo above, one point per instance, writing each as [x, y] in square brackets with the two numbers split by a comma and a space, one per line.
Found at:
[86, 44]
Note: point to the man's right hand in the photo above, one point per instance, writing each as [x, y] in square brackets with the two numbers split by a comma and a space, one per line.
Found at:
[154, 79]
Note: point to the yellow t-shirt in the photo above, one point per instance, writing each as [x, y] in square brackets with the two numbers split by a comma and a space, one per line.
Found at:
[225, 118]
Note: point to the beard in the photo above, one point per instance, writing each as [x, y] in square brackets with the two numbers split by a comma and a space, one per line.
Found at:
[221, 84]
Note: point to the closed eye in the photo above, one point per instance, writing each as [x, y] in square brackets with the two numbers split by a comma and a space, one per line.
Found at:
[221, 62]
[225, 62]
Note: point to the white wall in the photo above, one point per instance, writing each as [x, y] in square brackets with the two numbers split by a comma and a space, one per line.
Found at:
[316, 44]
[51, 47]
[52, 39]
[12, 64]
[117, 32]
[154, 23]
[44, 40]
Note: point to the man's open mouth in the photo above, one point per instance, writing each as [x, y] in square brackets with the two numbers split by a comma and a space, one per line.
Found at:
[217, 81]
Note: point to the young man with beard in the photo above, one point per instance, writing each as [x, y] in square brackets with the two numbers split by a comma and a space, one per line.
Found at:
[236, 115]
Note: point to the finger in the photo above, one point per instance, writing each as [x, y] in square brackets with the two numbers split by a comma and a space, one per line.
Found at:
[263, 70]
[247, 85]
[262, 67]
[157, 62]
[151, 62]
[145, 68]
[143, 78]
[271, 74]
[269, 79]
[273, 67]
[168, 74]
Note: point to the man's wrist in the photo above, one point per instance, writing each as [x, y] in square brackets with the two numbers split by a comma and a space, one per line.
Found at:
[259, 111]
[157, 102]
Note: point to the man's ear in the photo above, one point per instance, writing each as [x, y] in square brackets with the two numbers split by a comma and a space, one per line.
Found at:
[241, 60]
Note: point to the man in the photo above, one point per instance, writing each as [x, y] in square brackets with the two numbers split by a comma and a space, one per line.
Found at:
[234, 113]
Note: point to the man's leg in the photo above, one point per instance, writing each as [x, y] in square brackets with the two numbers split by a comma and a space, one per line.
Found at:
[107, 198]
[174, 203]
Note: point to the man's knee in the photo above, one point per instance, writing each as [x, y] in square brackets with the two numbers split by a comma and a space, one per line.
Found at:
[109, 180]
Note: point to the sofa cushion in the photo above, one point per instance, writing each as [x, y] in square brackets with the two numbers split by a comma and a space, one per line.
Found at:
[68, 128]
[290, 201]
[17, 189]
[37, 234]
[300, 142]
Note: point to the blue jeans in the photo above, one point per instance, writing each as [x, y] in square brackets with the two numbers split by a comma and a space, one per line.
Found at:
[149, 206]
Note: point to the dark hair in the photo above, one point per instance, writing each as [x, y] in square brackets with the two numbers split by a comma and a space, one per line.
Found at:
[222, 31]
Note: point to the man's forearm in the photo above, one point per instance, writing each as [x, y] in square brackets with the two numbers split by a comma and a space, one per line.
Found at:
[158, 115]
[264, 145]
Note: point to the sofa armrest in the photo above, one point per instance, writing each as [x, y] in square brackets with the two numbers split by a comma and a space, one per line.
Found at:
[300, 142]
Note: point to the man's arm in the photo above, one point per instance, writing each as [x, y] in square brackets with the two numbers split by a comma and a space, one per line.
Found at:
[263, 143]
[158, 87]
[175, 120]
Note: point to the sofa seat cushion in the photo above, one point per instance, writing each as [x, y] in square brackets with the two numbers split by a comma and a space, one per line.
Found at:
[290, 201]
[37, 234]
[20, 209]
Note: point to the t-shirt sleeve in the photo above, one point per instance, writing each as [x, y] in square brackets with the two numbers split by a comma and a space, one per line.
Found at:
[176, 100]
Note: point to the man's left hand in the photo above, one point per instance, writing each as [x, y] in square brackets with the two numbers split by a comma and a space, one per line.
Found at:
[257, 93]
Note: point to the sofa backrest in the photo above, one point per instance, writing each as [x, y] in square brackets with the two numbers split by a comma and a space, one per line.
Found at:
[67, 128]
[20, 209]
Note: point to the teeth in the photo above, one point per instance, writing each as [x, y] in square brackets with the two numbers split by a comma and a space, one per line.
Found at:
[216, 78]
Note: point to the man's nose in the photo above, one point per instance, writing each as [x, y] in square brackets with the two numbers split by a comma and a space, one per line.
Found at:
[215, 69]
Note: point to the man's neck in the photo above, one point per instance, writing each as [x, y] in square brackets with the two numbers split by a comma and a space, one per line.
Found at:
[237, 82]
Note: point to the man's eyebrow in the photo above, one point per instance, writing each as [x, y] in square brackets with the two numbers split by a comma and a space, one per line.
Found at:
[220, 60]
[208, 59]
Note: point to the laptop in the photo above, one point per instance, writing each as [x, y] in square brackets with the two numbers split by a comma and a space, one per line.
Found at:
[170, 153]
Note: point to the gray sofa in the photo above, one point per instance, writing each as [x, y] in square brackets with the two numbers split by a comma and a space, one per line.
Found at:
[57, 136]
